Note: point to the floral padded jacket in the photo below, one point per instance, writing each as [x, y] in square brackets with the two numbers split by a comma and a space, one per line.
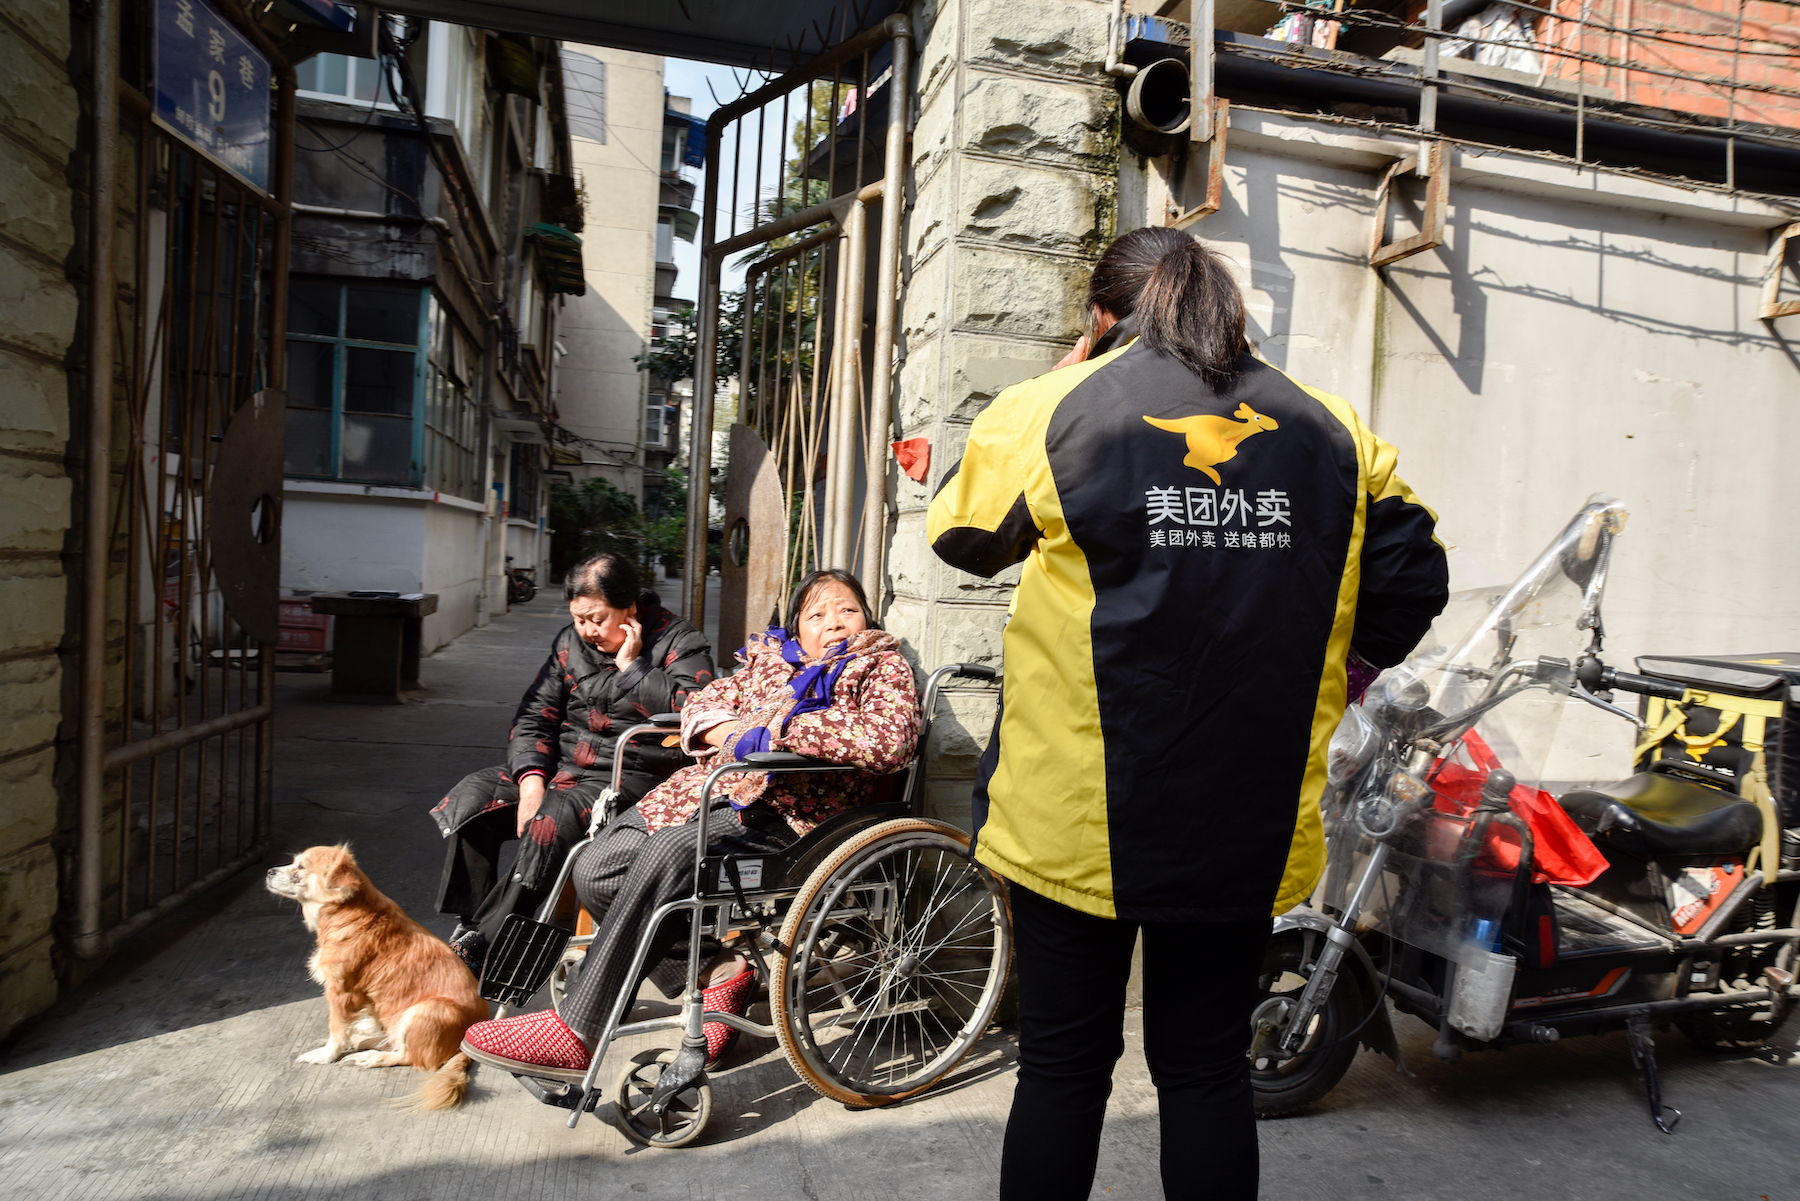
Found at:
[872, 724]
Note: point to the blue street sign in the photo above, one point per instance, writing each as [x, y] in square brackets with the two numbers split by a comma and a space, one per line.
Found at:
[212, 88]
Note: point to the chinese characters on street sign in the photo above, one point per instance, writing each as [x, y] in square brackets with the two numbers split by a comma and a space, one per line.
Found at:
[212, 88]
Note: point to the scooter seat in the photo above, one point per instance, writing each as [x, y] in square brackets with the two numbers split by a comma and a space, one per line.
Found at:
[1652, 814]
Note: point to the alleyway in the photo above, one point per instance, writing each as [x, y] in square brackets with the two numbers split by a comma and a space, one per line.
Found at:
[175, 1078]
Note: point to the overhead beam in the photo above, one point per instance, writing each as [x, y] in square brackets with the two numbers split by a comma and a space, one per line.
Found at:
[675, 42]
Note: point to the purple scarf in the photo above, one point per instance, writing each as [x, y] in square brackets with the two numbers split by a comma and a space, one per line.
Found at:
[811, 689]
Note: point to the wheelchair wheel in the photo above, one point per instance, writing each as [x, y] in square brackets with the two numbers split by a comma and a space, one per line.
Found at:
[895, 954]
[680, 1124]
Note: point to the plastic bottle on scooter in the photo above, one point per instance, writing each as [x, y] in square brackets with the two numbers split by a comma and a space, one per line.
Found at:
[1481, 987]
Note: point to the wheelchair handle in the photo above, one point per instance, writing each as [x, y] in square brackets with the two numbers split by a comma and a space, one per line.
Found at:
[933, 683]
[661, 723]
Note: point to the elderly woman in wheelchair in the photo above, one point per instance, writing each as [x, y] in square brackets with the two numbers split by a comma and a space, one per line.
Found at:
[831, 702]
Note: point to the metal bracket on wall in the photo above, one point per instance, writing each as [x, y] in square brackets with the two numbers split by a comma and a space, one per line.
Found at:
[1431, 225]
[1215, 169]
[1772, 305]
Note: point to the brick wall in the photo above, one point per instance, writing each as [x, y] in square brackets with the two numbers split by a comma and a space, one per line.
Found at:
[39, 117]
[1708, 35]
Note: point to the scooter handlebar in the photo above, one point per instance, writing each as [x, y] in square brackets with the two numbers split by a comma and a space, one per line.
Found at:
[1626, 681]
[1595, 676]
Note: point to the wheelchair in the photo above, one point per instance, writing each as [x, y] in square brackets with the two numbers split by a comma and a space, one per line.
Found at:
[883, 945]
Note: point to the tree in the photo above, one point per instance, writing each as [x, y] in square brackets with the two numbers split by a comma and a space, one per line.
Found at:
[595, 518]
[672, 356]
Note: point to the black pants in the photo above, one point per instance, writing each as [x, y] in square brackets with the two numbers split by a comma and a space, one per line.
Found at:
[471, 886]
[1199, 990]
[625, 875]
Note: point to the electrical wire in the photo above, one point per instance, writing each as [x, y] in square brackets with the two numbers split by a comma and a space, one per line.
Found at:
[1656, 34]
[1391, 23]
[360, 130]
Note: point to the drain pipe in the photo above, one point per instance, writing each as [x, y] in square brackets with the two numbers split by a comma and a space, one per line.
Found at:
[887, 304]
[102, 286]
[1115, 39]
[320, 210]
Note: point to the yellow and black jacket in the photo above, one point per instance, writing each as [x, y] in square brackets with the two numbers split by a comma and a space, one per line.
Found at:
[1197, 568]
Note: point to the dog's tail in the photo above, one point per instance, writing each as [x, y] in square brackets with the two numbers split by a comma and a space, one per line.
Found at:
[444, 1088]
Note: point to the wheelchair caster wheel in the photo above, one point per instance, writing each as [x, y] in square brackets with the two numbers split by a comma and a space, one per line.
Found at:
[679, 1124]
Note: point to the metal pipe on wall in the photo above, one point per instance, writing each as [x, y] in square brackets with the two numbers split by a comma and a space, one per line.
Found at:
[285, 98]
[847, 386]
[887, 304]
[1428, 72]
[699, 493]
[96, 542]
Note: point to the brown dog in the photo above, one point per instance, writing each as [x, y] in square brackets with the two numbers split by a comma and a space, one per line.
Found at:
[397, 994]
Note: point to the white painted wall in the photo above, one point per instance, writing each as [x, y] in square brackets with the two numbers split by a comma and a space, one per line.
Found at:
[337, 537]
[600, 391]
[528, 547]
[1578, 332]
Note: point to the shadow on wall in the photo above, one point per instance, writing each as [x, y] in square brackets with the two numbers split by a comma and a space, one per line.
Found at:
[1269, 269]
[1468, 300]
[1604, 259]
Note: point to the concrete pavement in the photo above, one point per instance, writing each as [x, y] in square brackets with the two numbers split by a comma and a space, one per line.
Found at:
[173, 1076]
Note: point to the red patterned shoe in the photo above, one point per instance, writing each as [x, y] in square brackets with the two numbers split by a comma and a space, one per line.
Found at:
[532, 1044]
[731, 997]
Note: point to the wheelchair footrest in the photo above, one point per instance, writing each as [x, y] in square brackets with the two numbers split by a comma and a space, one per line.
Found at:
[561, 1094]
[521, 959]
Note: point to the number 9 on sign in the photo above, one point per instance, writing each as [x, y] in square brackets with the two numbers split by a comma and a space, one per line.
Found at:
[215, 83]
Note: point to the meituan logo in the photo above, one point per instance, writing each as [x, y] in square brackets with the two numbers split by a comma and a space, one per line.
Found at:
[1211, 440]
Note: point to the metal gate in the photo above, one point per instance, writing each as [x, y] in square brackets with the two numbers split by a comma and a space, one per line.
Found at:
[813, 409]
[181, 537]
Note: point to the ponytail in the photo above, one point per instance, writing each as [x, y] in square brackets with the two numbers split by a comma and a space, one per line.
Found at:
[1186, 303]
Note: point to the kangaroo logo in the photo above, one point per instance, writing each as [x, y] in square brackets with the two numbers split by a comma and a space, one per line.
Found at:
[1212, 440]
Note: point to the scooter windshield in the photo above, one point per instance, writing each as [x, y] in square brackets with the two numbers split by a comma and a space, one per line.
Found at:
[1481, 698]
[1506, 680]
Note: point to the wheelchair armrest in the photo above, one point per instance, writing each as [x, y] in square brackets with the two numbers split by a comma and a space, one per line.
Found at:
[788, 761]
[666, 719]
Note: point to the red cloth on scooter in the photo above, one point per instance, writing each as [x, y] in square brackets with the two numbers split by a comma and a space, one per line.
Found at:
[1562, 854]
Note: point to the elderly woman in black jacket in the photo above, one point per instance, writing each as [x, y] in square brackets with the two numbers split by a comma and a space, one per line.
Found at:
[622, 658]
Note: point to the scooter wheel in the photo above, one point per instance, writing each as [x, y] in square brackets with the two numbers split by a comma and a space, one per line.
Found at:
[1284, 1086]
[679, 1124]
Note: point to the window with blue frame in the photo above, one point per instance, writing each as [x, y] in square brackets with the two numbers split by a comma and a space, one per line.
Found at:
[451, 415]
[377, 392]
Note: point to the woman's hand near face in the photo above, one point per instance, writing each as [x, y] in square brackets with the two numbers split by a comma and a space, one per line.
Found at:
[633, 645]
[1078, 355]
[605, 628]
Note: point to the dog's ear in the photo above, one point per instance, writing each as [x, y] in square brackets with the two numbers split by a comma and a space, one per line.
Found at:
[334, 874]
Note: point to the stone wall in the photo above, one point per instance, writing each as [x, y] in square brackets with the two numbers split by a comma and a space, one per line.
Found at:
[39, 118]
[1014, 169]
